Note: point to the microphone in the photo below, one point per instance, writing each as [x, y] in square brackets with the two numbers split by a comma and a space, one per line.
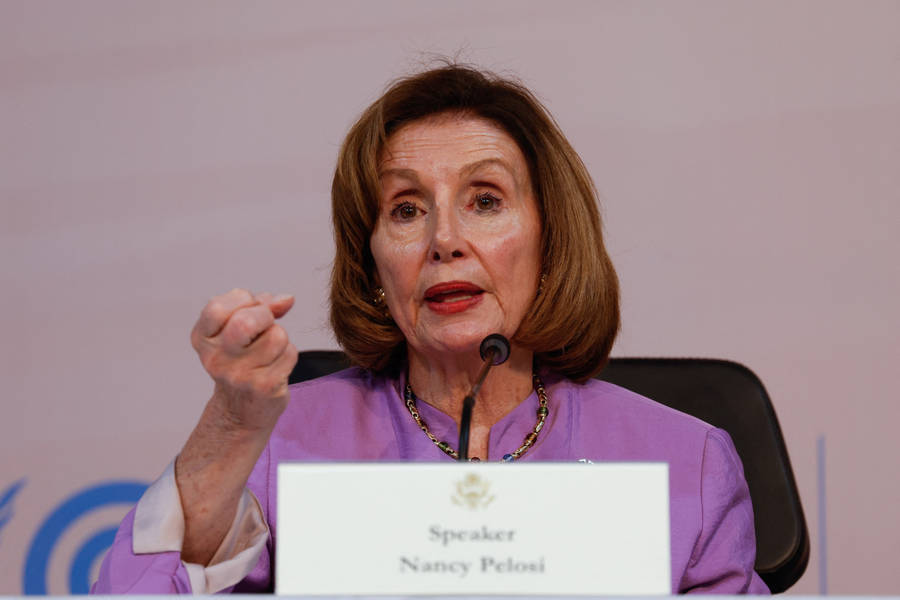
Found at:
[496, 343]
[494, 350]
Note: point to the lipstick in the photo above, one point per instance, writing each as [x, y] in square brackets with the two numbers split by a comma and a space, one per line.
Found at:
[452, 297]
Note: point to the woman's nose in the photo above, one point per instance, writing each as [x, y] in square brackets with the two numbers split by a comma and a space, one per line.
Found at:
[446, 241]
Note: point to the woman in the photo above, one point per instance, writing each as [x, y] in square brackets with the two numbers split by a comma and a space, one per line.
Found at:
[460, 210]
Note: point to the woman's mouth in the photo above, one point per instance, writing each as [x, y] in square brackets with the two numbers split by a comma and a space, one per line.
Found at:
[452, 297]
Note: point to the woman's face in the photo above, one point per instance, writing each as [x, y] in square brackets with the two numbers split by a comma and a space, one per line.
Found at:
[457, 238]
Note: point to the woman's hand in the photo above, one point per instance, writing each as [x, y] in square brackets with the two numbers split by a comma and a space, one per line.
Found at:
[248, 355]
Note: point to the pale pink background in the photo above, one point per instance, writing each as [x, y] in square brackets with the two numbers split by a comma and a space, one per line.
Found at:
[156, 153]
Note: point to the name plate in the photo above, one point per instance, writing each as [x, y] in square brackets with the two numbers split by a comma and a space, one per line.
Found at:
[456, 529]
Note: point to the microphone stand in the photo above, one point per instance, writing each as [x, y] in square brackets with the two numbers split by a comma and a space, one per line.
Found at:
[469, 402]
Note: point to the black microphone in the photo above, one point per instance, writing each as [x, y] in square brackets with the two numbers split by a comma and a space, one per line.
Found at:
[494, 350]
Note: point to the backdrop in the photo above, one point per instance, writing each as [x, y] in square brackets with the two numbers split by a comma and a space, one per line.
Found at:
[157, 153]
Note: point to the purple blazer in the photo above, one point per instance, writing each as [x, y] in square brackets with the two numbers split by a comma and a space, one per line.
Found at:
[356, 415]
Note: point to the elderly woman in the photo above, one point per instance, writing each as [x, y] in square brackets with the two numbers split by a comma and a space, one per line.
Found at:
[460, 210]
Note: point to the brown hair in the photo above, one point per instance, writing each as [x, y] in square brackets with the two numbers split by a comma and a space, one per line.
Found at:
[575, 318]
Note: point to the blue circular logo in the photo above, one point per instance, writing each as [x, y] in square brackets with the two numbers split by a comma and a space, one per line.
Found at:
[37, 562]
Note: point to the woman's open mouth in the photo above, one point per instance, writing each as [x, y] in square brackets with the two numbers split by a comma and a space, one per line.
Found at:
[452, 297]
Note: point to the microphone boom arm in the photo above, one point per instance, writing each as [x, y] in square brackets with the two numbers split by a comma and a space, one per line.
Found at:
[494, 351]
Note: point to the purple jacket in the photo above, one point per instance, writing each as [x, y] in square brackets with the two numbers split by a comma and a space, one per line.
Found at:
[355, 415]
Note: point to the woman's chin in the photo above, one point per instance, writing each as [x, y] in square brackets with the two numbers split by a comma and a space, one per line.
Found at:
[455, 343]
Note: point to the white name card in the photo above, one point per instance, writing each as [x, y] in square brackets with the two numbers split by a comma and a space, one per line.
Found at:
[455, 529]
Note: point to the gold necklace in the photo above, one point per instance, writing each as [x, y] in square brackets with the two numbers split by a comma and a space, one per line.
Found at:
[542, 412]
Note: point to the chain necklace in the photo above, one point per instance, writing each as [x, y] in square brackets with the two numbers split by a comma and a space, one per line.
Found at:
[542, 412]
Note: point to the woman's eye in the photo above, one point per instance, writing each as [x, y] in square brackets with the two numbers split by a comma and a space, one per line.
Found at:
[486, 202]
[405, 211]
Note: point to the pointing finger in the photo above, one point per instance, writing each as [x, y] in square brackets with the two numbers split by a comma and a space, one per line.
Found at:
[279, 304]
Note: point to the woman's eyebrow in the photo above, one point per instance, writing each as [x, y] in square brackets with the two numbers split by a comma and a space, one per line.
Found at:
[488, 162]
[407, 174]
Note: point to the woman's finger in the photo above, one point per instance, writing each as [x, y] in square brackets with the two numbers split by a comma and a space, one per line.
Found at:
[287, 361]
[219, 309]
[244, 326]
[268, 347]
[279, 304]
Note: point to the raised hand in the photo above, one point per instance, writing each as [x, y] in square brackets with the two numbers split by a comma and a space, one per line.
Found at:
[248, 355]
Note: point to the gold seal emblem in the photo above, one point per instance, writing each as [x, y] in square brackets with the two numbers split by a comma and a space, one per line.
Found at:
[473, 492]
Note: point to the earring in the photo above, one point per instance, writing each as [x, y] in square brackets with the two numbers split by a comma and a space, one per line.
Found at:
[379, 302]
[543, 279]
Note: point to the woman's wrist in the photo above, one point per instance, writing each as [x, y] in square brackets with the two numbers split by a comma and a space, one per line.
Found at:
[240, 416]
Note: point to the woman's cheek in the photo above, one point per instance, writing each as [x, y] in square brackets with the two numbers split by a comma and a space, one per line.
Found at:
[405, 249]
[402, 263]
[511, 236]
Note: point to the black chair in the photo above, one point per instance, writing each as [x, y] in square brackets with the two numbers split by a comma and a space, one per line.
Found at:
[722, 393]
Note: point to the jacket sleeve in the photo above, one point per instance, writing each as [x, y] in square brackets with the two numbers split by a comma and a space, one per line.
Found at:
[146, 554]
[725, 552]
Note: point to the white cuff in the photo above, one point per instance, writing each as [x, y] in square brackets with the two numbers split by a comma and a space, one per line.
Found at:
[159, 527]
